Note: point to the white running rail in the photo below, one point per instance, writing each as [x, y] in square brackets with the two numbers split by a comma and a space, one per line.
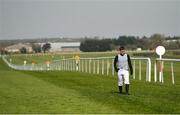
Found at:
[98, 65]
[161, 78]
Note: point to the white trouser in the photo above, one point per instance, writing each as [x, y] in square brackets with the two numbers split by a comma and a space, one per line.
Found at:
[123, 76]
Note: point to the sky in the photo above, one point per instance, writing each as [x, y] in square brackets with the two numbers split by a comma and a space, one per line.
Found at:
[0, 19]
[24, 19]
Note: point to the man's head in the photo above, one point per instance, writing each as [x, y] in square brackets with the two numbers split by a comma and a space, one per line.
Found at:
[122, 50]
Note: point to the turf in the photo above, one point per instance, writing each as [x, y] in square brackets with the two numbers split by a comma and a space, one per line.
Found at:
[74, 92]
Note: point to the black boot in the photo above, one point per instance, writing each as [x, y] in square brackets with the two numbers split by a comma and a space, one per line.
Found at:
[120, 89]
[127, 89]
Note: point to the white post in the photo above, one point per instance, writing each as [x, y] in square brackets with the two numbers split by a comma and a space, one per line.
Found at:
[10, 60]
[41, 67]
[86, 64]
[98, 66]
[160, 50]
[134, 69]
[139, 69]
[72, 62]
[102, 67]
[48, 66]
[107, 67]
[160, 76]
[112, 67]
[80, 61]
[155, 71]
[162, 71]
[68, 65]
[56, 67]
[79, 66]
[90, 66]
[25, 64]
[149, 69]
[63, 65]
[147, 72]
[74, 65]
[94, 66]
[172, 72]
[82, 65]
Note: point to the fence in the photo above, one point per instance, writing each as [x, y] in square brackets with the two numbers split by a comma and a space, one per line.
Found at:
[161, 61]
[99, 65]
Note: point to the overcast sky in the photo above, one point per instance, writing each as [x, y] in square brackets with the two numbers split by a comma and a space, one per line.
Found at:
[78, 18]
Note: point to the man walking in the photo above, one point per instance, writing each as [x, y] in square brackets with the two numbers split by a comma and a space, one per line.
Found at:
[122, 65]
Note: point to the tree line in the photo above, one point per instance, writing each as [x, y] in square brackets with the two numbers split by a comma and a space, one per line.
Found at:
[130, 42]
[108, 44]
[38, 49]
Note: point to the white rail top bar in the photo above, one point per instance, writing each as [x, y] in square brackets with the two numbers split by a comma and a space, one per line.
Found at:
[164, 59]
[112, 57]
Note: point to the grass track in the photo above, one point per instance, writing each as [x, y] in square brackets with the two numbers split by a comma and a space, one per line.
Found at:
[71, 92]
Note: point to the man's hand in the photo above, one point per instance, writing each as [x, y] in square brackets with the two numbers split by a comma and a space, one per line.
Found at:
[117, 69]
[131, 72]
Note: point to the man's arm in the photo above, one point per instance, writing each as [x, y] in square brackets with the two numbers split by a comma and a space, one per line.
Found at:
[130, 65]
[115, 62]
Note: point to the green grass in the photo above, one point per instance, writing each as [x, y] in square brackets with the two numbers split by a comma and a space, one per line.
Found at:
[74, 92]
[42, 58]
